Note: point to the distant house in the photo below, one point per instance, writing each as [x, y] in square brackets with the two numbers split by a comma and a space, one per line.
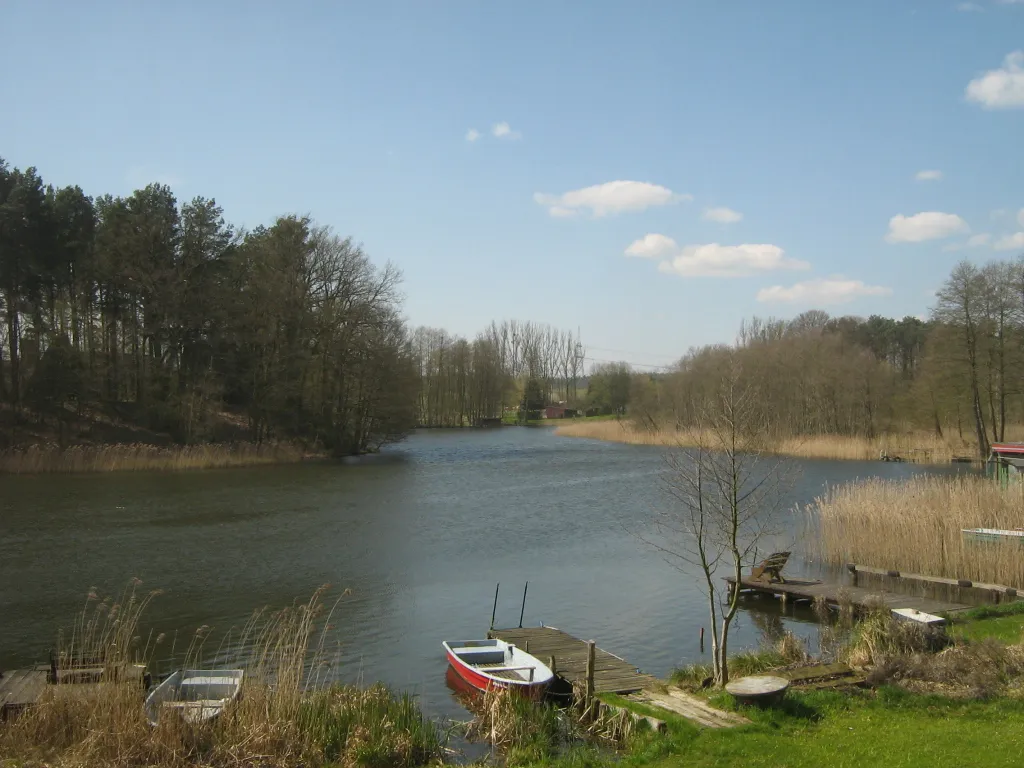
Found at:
[558, 412]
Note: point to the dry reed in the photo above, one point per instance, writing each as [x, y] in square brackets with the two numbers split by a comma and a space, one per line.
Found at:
[280, 720]
[915, 526]
[912, 446]
[37, 459]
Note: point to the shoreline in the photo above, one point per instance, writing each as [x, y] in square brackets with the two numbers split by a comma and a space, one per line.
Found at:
[40, 459]
[920, 448]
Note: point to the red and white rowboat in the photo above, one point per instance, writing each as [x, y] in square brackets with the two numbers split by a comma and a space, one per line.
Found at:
[489, 664]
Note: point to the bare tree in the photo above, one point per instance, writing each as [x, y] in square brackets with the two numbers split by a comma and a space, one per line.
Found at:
[724, 493]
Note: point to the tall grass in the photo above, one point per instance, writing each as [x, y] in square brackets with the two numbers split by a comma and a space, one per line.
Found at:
[37, 459]
[915, 525]
[282, 718]
[912, 446]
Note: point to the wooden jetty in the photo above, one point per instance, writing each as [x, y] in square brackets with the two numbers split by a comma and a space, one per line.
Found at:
[611, 674]
[20, 689]
[568, 657]
[793, 590]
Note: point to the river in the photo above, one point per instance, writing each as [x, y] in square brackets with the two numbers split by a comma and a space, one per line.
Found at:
[420, 534]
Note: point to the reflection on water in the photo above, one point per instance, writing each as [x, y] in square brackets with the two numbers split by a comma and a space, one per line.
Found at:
[420, 534]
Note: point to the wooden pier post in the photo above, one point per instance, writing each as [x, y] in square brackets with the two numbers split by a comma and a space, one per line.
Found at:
[591, 646]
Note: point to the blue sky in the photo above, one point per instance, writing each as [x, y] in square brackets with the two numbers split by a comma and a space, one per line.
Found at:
[811, 120]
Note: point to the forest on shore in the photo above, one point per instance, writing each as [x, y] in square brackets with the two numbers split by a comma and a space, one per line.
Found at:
[957, 373]
[159, 314]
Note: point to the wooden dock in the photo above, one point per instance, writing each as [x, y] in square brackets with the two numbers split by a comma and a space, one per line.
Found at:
[860, 597]
[612, 674]
[20, 689]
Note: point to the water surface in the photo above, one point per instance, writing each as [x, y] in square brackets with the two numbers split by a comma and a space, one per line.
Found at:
[420, 534]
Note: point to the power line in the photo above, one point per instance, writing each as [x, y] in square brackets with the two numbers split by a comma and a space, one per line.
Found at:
[645, 365]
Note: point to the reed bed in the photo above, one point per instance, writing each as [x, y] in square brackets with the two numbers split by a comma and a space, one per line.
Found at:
[282, 719]
[138, 457]
[912, 446]
[529, 732]
[915, 525]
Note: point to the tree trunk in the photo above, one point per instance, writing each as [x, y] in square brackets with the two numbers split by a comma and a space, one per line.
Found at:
[979, 416]
[13, 336]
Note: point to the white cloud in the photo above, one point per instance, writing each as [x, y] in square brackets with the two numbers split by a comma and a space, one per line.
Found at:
[1012, 242]
[504, 131]
[651, 246]
[928, 175]
[722, 215]
[833, 290]
[1000, 88]
[472, 134]
[560, 212]
[968, 7]
[930, 225]
[974, 241]
[714, 260]
[609, 198]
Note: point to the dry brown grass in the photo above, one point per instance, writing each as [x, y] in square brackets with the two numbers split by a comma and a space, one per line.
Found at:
[138, 457]
[915, 526]
[281, 719]
[912, 446]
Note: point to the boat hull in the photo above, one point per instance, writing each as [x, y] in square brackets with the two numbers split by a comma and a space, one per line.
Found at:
[481, 681]
[194, 696]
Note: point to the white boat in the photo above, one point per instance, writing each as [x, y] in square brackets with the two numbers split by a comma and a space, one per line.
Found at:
[993, 534]
[194, 694]
[487, 664]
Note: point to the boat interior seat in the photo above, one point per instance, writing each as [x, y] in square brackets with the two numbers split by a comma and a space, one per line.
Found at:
[480, 655]
[205, 690]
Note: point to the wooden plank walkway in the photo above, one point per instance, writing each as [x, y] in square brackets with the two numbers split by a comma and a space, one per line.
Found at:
[803, 589]
[20, 688]
[611, 673]
[692, 708]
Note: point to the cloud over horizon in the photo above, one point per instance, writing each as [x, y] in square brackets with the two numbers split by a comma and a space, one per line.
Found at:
[1014, 242]
[928, 225]
[1000, 88]
[722, 215]
[504, 131]
[609, 198]
[821, 292]
[713, 259]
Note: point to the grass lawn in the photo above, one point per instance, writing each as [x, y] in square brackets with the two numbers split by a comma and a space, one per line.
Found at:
[1003, 622]
[826, 729]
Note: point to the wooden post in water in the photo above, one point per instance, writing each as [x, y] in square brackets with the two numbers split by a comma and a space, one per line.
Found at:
[591, 646]
[494, 610]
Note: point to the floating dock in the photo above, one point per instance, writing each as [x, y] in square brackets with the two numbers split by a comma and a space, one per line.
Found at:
[612, 674]
[793, 590]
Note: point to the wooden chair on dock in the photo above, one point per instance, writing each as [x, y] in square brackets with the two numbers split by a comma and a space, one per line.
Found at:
[771, 567]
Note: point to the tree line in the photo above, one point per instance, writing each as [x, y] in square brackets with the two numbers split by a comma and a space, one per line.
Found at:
[957, 373]
[159, 313]
[165, 314]
[517, 366]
